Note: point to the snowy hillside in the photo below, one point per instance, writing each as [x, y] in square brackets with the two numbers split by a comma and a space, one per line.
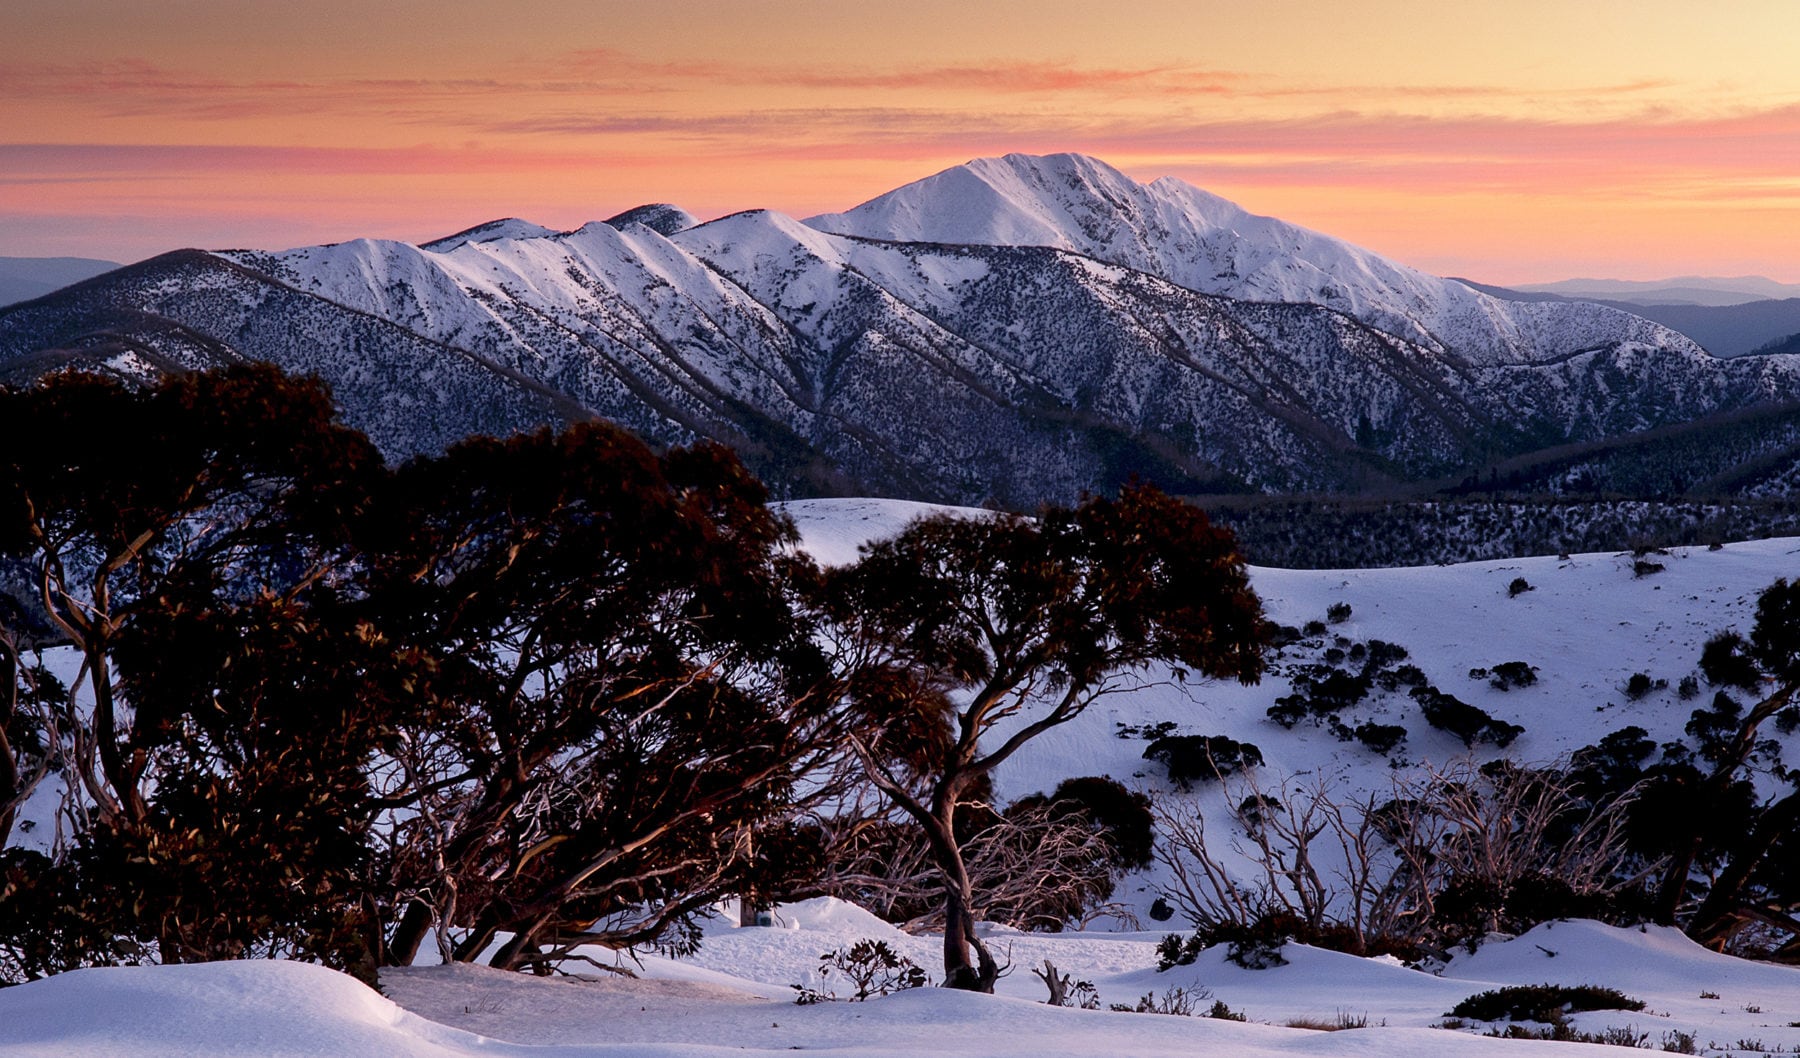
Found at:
[1587, 624]
[1042, 327]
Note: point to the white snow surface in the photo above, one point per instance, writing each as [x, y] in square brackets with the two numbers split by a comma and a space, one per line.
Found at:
[1587, 624]
[274, 1009]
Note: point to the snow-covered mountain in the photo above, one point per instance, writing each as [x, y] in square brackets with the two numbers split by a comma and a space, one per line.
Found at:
[1016, 330]
[1198, 240]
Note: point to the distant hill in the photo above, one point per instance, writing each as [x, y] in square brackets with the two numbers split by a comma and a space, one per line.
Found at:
[24, 278]
[1731, 330]
[1790, 344]
[1681, 290]
[1722, 330]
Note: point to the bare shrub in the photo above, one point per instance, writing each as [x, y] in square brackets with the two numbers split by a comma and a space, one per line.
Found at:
[1030, 868]
[1445, 852]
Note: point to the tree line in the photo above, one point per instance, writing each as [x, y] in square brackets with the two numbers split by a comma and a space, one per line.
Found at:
[535, 693]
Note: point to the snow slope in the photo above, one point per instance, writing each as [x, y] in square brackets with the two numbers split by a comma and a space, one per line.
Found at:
[1588, 624]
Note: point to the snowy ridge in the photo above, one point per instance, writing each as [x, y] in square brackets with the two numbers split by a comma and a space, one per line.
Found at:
[659, 217]
[506, 228]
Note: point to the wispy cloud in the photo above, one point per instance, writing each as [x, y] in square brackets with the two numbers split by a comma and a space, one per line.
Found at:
[1756, 148]
[136, 89]
[1490, 152]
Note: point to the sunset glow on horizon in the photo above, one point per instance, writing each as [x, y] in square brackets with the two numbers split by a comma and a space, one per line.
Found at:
[1510, 143]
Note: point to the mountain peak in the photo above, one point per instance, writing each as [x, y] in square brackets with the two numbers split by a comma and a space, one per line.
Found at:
[1014, 200]
[1195, 239]
[504, 228]
[659, 217]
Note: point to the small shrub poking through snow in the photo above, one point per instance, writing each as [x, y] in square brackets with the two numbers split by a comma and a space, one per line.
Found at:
[1547, 1003]
[1446, 712]
[871, 966]
[1173, 950]
[1181, 1002]
[1640, 684]
[1337, 613]
[1518, 587]
[1509, 674]
[1202, 758]
[1382, 738]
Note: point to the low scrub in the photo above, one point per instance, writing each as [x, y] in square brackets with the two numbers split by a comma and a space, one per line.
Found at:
[1446, 712]
[1547, 1003]
[871, 967]
[1202, 758]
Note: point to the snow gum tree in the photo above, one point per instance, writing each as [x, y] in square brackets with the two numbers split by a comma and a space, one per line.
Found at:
[615, 689]
[176, 536]
[1754, 885]
[982, 633]
[558, 686]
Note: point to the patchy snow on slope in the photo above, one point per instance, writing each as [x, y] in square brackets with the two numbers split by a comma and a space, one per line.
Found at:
[1588, 624]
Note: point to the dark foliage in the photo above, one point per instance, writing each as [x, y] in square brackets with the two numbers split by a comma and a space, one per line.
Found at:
[1381, 738]
[191, 565]
[1446, 712]
[1509, 674]
[1469, 907]
[1546, 1002]
[1348, 533]
[1122, 816]
[1202, 758]
[1720, 825]
[1321, 691]
[552, 684]
[615, 688]
[1409, 676]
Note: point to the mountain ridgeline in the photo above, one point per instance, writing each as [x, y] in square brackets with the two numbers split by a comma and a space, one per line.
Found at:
[1014, 330]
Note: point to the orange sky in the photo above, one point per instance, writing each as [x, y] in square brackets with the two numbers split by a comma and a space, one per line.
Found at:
[1509, 142]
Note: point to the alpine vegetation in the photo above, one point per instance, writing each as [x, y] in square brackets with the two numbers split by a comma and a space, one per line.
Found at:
[528, 695]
